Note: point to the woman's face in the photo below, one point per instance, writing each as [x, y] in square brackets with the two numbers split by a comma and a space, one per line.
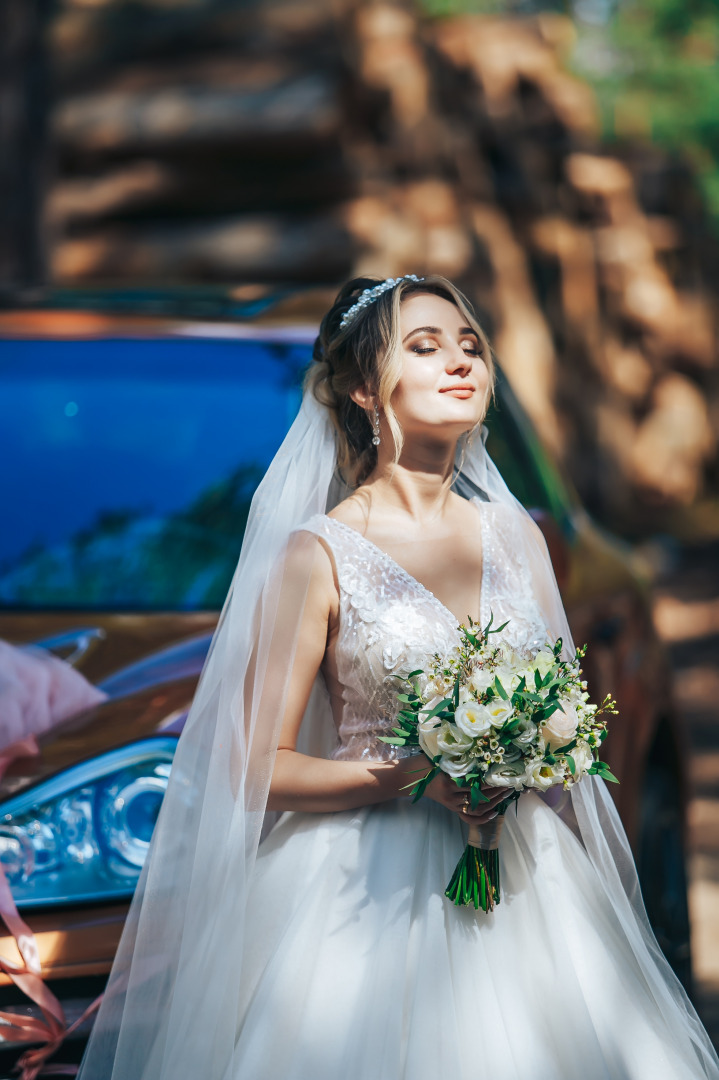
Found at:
[443, 386]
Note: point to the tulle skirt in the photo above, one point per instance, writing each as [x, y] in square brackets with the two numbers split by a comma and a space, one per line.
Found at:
[358, 968]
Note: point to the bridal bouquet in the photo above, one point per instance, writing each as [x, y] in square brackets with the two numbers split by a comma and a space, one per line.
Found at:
[489, 716]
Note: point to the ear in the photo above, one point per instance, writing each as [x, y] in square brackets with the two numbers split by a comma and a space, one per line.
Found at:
[363, 397]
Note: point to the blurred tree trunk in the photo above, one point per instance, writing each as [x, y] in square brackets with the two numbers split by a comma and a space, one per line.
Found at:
[23, 142]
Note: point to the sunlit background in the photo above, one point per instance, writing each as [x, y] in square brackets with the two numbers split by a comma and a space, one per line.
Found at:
[192, 158]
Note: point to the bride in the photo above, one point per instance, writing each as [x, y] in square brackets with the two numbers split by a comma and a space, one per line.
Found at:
[291, 923]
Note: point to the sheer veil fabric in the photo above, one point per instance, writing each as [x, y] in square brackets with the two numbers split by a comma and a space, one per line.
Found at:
[171, 1008]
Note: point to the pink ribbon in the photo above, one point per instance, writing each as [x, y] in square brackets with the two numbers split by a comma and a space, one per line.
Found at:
[52, 1030]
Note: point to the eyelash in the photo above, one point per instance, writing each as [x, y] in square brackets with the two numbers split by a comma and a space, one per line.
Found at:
[423, 352]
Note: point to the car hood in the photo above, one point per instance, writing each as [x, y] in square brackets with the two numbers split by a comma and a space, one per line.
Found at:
[147, 664]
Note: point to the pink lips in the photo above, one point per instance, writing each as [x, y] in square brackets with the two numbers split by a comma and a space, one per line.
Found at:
[461, 391]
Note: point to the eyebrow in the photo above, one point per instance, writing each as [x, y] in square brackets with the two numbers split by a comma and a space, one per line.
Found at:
[464, 330]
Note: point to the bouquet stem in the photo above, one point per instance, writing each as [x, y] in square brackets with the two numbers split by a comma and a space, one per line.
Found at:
[476, 876]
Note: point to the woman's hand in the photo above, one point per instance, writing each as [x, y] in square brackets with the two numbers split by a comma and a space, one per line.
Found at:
[444, 790]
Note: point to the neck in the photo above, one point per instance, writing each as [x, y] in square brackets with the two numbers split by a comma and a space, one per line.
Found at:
[418, 485]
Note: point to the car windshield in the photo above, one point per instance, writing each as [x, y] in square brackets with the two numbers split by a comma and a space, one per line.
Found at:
[129, 466]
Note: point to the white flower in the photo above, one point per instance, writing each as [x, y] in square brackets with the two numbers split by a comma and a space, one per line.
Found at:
[541, 775]
[428, 734]
[561, 727]
[473, 719]
[509, 677]
[432, 704]
[543, 662]
[510, 774]
[509, 658]
[499, 711]
[456, 766]
[432, 686]
[480, 679]
[526, 733]
[452, 740]
[583, 758]
[465, 695]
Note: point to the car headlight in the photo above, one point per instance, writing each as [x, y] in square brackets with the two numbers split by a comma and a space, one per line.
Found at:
[83, 835]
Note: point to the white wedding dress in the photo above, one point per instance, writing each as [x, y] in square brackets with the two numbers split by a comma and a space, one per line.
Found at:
[357, 967]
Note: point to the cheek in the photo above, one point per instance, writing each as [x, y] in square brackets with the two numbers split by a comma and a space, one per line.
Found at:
[482, 372]
[415, 388]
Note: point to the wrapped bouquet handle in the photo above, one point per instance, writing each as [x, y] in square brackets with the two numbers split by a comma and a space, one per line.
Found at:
[476, 877]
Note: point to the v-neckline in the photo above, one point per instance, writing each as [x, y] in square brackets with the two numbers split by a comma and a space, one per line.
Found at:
[410, 577]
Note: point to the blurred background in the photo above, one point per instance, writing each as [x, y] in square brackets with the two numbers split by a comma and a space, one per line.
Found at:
[559, 161]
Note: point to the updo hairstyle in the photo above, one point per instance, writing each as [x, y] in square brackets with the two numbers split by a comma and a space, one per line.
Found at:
[368, 352]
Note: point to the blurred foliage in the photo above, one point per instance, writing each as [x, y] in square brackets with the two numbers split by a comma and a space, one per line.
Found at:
[653, 63]
[662, 81]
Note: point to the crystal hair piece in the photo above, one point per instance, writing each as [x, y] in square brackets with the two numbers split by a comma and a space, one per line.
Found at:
[370, 295]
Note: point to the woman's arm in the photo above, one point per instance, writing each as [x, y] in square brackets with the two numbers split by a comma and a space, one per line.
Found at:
[321, 785]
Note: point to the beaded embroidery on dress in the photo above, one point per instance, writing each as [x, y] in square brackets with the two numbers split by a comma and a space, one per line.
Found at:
[391, 623]
[361, 968]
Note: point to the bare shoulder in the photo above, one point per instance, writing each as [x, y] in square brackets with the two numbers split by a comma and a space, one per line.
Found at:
[464, 511]
[353, 511]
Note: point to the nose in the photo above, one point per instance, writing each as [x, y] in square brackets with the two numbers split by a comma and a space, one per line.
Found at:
[459, 362]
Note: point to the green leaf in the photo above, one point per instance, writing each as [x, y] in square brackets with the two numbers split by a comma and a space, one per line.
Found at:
[564, 749]
[572, 764]
[550, 709]
[431, 713]
[500, 689]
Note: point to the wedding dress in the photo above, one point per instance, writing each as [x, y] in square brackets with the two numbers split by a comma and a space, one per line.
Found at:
[327, 950]
[360, 968]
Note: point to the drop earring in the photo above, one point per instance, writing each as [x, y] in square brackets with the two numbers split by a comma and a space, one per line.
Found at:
[375, 427]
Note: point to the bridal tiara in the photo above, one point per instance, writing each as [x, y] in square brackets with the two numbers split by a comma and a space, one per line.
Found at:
[370, 295]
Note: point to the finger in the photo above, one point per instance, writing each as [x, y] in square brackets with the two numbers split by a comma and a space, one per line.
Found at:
[475, 818]
[464, 801]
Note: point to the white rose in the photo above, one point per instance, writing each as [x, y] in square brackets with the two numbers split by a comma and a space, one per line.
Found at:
[541, 775]
[452, 740]
[456, 766]
[473, 719]
[561, 727]
[509, 774]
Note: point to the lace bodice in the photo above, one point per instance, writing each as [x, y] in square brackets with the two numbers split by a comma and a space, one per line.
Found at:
[390, 624]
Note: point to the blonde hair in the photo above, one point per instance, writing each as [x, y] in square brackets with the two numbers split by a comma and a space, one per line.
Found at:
[368, 352]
